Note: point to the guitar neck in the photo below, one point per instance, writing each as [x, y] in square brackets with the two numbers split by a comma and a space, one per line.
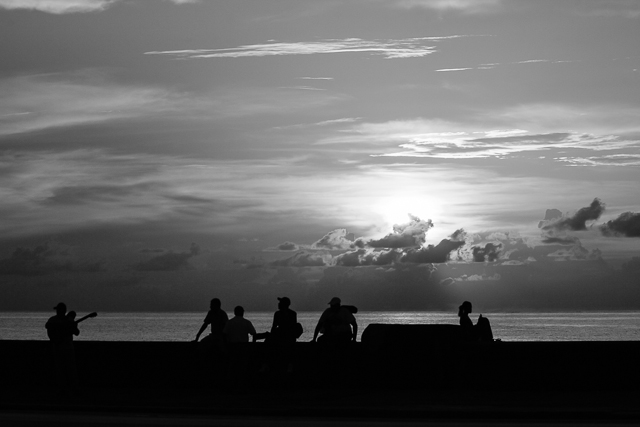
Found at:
[85, 317]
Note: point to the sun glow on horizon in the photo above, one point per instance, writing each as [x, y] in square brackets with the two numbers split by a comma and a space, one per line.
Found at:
[399, 209]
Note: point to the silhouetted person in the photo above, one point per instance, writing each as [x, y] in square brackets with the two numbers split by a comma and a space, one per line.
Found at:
[337, 324]
[285, 320]
[217, 318]
[463, 313]
[238, 329]
[60, 330]
[71, 315]
[285, 330]
[236, 332]
[481, 331]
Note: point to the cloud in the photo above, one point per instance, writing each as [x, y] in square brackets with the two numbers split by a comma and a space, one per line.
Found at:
[567, 240]
[365, 257]
[490, 252]
[287, 246]
[45, 259]
[390, 48]
[577, 221]
[487, 136]
[169, 261]
[619, 160]
[627, 225]
[39, 102]
[406, 235]
[335, 240]
[453, 69]
[464, 6]
[463, 146]
[478, 278]
[432, 254]
[59, 7]
[303, 259]
[612, 9]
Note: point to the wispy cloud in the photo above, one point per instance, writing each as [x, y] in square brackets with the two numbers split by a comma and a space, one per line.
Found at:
[454, 69]
[492, 66]
[38, 102]
[60, 7]
[464, 6]
[322, 123]
[610, 160]
[390, 48]
[547, 133]
[611, 9]
[315, 78]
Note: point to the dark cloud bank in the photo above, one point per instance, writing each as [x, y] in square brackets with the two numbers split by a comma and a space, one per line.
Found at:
[400, 271]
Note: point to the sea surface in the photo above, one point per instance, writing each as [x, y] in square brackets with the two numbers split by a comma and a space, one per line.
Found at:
[583, 326]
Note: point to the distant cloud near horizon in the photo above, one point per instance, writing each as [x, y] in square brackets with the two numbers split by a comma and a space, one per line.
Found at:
[577, 221]
[627, 224]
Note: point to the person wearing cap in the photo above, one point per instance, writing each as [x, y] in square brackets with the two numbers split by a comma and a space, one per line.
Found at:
[60, 330]
[338, 323]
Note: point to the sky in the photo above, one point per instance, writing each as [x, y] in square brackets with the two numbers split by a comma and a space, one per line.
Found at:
[405, 154]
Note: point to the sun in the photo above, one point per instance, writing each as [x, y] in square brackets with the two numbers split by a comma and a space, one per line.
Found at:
[396, 209]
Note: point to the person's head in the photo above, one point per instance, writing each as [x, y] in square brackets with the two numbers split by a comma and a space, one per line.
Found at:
[283, 302]
[61, 309]
[238, 311]
[71, 315]
[215, 303]
[465, 308]
[335, 302]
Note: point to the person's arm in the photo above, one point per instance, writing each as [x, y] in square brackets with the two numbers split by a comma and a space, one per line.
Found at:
[318, 328]
[202, 329]
[354, 326]
[273, 325]
[206, 322]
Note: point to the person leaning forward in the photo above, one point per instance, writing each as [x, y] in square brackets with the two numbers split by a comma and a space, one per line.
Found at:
[337, 324]
[217, 318]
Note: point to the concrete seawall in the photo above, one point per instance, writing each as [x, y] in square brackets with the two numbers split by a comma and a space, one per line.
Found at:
[517, 365]
[423, 379]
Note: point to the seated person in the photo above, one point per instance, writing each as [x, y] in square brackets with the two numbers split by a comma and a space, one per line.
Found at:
[481, 331]
[238, 329]
[338, 323]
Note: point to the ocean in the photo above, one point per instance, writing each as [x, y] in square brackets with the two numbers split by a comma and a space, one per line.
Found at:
[582, 326]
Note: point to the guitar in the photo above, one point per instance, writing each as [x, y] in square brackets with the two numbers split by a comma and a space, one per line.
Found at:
[90, 315]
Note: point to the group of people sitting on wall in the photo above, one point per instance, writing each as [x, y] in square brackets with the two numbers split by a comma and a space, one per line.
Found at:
[337, 324]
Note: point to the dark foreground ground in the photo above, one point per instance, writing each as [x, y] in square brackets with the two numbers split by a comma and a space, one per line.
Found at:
[386, 383]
